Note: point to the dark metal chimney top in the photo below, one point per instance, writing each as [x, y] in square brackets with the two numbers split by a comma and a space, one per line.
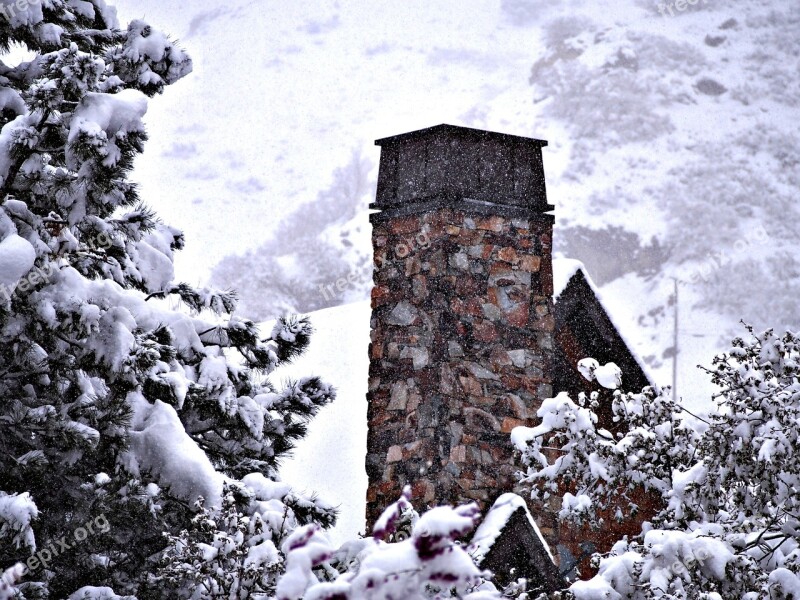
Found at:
[470, 169]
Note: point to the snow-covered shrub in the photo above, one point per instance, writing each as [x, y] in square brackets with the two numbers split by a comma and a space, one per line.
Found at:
[729, 526]
[236, 551]
[732, 251]
[624, 94]
[622, 74]
[428, 562]
[113, 402]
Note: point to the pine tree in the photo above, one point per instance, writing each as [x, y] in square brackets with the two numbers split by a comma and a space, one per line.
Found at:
[118, 411]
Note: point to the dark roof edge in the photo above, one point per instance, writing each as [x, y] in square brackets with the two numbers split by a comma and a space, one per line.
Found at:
[457, 129]
[464, 205]
[576, 280]
[537, 553]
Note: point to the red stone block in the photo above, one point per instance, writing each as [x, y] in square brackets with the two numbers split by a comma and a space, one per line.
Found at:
[490, 224]
[466, 286]
[499, 268]
[508, 254]
[508, 424]
[499, 357]
[470, 385]
[470, 237]
[422, 490]
[519, 316]
[458, 454]
[408, 224]
[530, 263]
[485, 331]
[473, 307]
[380, 295]
[388, 487]
[546, 323]
[511, 382]
[491, 294]
[458, 306]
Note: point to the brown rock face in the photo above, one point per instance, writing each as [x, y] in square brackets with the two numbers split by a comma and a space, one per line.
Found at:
[462, 332]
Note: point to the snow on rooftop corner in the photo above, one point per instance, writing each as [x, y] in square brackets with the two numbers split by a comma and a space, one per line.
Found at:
[495, 520]
[323, 462]
[564, 270]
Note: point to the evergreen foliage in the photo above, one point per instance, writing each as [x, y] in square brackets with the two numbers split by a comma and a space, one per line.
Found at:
[120, 407]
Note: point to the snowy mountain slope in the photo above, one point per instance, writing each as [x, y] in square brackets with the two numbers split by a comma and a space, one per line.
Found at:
[681, 130]
[282, 94]
[312, 249]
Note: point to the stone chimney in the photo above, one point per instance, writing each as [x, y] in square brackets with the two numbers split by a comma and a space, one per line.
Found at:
[462, 313]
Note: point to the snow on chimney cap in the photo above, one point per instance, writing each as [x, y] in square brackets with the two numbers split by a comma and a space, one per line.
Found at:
[457, 130]
[446, 165]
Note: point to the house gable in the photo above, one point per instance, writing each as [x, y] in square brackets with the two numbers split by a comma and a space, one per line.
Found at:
[584, 328]
[510, 545]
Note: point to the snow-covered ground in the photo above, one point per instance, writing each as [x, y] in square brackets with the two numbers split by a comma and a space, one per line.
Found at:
[330, 461]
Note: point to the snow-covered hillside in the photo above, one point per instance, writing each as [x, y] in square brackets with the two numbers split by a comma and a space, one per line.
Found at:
[330, 460]
[282, 95]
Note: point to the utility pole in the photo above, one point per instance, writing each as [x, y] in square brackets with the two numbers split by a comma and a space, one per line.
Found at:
[675, 344]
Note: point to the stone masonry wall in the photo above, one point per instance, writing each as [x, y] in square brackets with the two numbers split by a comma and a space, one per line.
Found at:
[462, 339]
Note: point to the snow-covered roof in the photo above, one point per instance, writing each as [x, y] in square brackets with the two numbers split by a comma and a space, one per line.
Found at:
[495, 521]
[564, 270]
[339, 353]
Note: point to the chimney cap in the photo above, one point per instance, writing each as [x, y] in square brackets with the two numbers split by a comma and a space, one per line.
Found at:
[457, 130]
[465, 168]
